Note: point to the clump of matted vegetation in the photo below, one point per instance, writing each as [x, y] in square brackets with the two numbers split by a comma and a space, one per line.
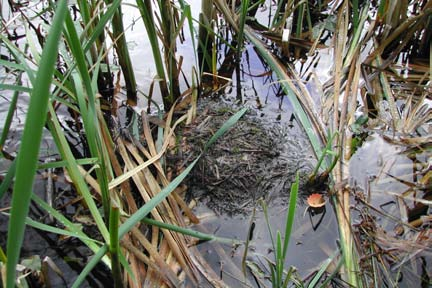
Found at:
[256, 160]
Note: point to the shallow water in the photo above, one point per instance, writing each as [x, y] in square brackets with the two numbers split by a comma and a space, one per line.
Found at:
[388, 180]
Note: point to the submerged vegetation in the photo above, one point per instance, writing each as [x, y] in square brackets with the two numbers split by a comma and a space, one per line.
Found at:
[128, 204]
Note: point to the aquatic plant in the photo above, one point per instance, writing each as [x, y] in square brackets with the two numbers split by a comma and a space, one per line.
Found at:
[280, 277]
[30, 144]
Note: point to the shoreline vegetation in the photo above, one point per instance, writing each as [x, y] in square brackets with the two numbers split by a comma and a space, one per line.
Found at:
[58, 58]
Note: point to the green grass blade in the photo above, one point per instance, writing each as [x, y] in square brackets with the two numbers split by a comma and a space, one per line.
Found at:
[300, 16]
[74, 173]
[265, 211]
[87, 104]
[124, 59]
[186, 231]
[333, 275]
[16, 88]
[355, 9]
[58, 164]
[188, 14]
[291, 214]
[125, 263]
[279, 259]
[55, 230]
[285, 82]
[243, 14]
[12, 65]
[94, 261]
[70, 226]
[19, 57]
[323, 268]
[7, 180]
[146, 10]
[89, 267]
[114, 246]
[100, 26]
[225, 127]
[30, 143]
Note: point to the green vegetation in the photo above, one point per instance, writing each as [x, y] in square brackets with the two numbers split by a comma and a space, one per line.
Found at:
[278, 277]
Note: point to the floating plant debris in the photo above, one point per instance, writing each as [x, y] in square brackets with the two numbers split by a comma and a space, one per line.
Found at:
[316, 200]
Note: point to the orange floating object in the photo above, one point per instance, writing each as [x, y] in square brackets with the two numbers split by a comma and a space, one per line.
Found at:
[316, 200]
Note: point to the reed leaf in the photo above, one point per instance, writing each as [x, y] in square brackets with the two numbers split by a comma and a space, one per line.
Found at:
[190, 232]
[55, 230]
[302, 110]
[70, 226]
[30, 143]
[11, 110]
[314, 282]
[243, 14]
[87, 105]
[123, 55]
[104, 18]
[291, 214]
[20, 57]
[74, 172]
[8, 178]
[114, 247]
[58, 164]
[90, 265]
[146, 11]
[15, 88]
[188, 14]
[355, 9]
[225, 127]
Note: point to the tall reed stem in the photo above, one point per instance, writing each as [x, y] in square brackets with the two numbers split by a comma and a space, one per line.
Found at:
[114, 247]
[169, 40]
[123, 56]
[146, 11]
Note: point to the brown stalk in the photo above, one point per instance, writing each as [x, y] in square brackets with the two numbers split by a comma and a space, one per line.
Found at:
[138, 180]
[149, 139]
[156, 242]
[385, 86]
[136, 266]
[401, 30]
[163, 268]
[171, 209]
[125, 187]
[142, 257]
[343, 207]
[205, 269]
[171, 198]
